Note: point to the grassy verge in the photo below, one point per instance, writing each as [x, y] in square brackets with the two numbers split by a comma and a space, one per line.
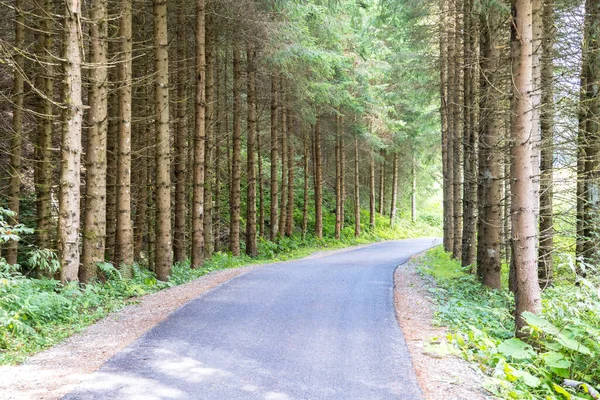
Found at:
[36, 314]
[565, 339]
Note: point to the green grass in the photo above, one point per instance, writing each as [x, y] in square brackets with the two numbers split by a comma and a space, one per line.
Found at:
[36, 314]
[564, 341]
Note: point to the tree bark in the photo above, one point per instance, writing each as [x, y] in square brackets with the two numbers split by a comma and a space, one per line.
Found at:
[210, 140]
[356, 190]
[284, 162]
[43, 172]
[274, 206]
[199, 139]
[382, 184]
[444, 112]
[306, 178]
[524, 223]
[163, 256]
[234, 200]
[289, 220]
[318, 182]
[14, 197]
[261, 192]
[124, 232]
[94, 230]
[221, 105]
[545, 268]
[251, 246]
[450, 23]
[372, 190]
[69, 201]
[469, 233]
[393, 205]
[413, 196]
[491, 159]
[457, 121]
[180, 156]
[338, 178]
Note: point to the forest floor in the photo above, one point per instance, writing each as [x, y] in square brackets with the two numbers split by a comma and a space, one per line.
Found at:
[55, 372]
[442, 377]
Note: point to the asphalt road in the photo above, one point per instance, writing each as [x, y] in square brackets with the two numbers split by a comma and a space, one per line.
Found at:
[320, 328]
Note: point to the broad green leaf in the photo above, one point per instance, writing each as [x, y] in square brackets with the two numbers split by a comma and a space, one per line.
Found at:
[555, 360]
[516, 349]
[539, 323]
[573, 344]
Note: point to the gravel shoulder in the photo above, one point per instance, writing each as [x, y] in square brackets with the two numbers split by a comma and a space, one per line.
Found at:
[440, 377]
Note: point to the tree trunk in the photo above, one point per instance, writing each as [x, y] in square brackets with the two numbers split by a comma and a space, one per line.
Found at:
[284, 163]
[356, 190]
[17, 125]
[251, 247]
[413, 196]
[43, 172]
[221, 105]
[199, 138]
[545, 270]
[318, 182]
[450, 23]
[261, 192]
[94, 230]
[163, 256]
[523, 216]
[394, 190]
[69, 201]
[457, 121]
[234, 200]
[469, 233]
[179, 159]
[444, 112]
[491, 158]
[591, 167]
[124, 246]
[274, 206]
[306, 177]
[382, 184]
[209, 143]
[338, 178]
[372, 190]
[289, 220]
[342, 178]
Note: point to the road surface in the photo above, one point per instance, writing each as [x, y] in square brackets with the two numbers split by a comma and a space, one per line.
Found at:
[317, 328]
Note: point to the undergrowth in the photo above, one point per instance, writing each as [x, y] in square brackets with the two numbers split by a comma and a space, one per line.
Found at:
[38, 313]
[560, 361]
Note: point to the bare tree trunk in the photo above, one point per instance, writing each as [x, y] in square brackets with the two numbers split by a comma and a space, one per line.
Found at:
[338, 178]
[342, 178]
[234, 200]
[591, 166]
[444, 111]
[209, 144]
[289, 220]
[284, 163]
[221, 108]
[124, 246]
[458, 112]
[382, 184]
[450, 23]
[274, 206]
[318, 182]
[469, 233]
[199, 138]
[261, 192]
[17, 125]
[179, 159]
[491, 159]
[251, 247]
[356, 190]
[94, 230]
[163, 255]
[394, 190]
[372, 190]
[306, 177]
[43, 173]
[545, 269]
[413, 196]
[69, 201]
[112, 151]
[524, 223]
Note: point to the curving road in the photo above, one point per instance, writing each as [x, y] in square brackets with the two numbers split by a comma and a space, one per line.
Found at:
[317, 328]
